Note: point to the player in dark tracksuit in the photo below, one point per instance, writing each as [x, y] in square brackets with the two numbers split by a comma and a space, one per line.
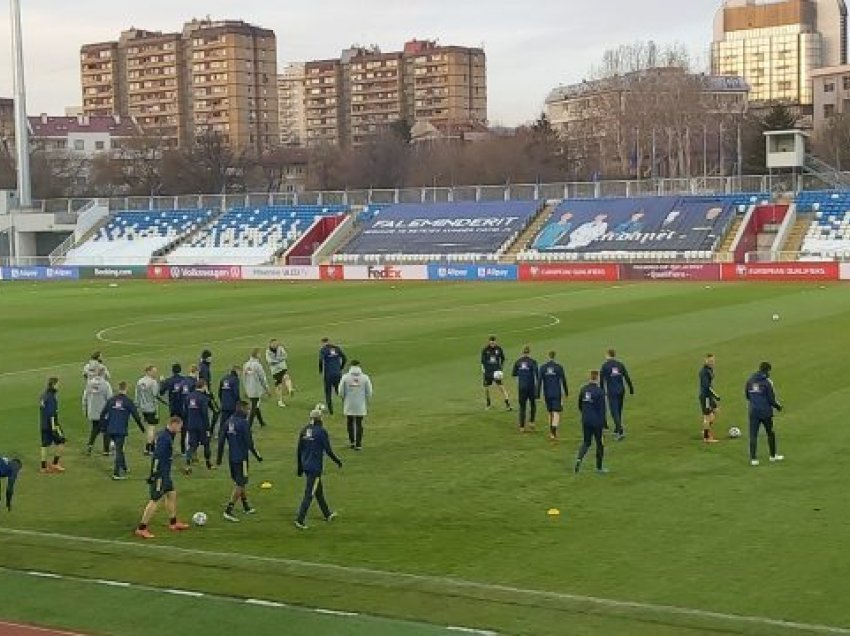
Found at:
[9, 470]
[161, 484]
[228, 396]
[708, 399]
[205, 374]
[614, 377]
[526, 371]
[236, 433]
[492, 362]
[552, 383]
[52, 434]
[198, 425]
[313, 444]
[332, 361]
[117, 413]
[591, 403]
[174, 387]
[762, 403]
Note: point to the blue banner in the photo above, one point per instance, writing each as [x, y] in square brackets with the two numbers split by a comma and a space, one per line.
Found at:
[40, 273]
[487, 272]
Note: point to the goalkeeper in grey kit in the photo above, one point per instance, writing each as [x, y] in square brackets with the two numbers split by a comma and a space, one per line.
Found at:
[276, 358]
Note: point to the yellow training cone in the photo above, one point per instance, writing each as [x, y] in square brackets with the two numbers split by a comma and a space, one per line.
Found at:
[554, 512]
[266, 485]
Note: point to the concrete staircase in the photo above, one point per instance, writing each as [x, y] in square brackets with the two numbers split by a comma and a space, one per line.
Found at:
[524, 240]
[724, 254]
[795, 238]
[161, 255]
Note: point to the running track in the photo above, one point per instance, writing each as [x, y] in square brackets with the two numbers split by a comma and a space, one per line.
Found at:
[11, 629]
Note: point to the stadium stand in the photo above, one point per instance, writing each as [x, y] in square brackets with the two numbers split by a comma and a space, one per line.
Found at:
[249, 236]
[652, 228]
[459, 232]
[131, 237]
[829, 234]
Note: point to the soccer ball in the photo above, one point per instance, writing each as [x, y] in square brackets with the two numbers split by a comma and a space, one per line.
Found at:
[498, 375]
[321, 408]
[734, 432]
[199, 518]
[775, 317]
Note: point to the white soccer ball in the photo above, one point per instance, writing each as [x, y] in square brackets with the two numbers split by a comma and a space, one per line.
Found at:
[734, 432]
[199, 518]
[321, 408]
[775, 317]
[498, 375]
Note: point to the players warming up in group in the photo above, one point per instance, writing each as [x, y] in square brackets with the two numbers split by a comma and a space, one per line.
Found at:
[236, 433]
[332, 360]
[161, 484]
[526, 373]
[256, 386]
[52, 435]
[198, 427]
[591, 404]
[148, 401]
[492, 366]
[552, 383]
[708, 399]
[313, 444]
[614, 377]
[762, 403]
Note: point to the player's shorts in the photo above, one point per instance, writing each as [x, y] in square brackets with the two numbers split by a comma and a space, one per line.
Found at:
[161, 487]
[239, 473]
[279, 376]
[489, 380]
[52, 437]
[197, 438]
[708, 405]
[151, 419]
[554, 405]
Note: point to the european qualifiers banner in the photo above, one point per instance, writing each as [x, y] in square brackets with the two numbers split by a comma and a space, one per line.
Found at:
[705, 272]
[782, 272]
[577, 272]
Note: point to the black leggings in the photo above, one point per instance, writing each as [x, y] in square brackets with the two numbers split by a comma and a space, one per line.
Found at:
[98, 428]
[355, 430]
[256, 413]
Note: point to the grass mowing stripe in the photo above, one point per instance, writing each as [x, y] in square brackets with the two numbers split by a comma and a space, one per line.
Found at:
[459, 585]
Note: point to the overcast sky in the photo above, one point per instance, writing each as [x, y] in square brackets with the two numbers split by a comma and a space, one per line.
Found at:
[531, 45]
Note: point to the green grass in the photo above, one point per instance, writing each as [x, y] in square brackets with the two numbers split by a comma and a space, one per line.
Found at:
[446, 490]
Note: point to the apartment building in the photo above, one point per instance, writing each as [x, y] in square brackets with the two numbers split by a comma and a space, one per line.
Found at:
[291, 105]
[831, 92]
[324, 101]
[213, 76]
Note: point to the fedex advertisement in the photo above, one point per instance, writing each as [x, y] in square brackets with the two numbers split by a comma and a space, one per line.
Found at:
[195, 272]
[672, 271]
[570, 272]
[40, 273]
[386, 272]
[305, 272]
[490, 272]
[792, 271]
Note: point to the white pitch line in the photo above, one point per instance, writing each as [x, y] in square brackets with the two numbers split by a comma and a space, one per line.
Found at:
[263, 603]
[447, 582]
[469, 630]
[335, 612]
[184, 593]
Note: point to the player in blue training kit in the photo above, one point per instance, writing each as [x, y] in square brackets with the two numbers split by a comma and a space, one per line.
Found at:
[552, 383]
[52, 434]
[198, 425]
[591, 403]
[332, 361]
[762, 403]
[708, 399]
[117, 413]
[613, 378]
[492, 364]
[174, 386]
[313, 444]
[229, 394]
[161, 485]
[526, 371]
[236, 433]
[9, 470]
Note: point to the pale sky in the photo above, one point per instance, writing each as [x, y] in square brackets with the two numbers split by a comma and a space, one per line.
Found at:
[531, 45]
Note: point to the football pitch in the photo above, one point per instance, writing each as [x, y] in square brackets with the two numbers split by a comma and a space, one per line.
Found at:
[442, 518]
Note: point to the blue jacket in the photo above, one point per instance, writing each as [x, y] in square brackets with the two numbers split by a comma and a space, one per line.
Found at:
[198, 411]
[11, 475]
[313, 444]
[492, 358]
[117, 412]
[591, 403]
[613, 376]
[526, 372]
[48, 410]
[761, 396]
[237, 435]
[228, 392]
[205, 371]
[332, 361]
[188, 385]
[163, 452]
[706, 383]
[553, 381]
[174, 387]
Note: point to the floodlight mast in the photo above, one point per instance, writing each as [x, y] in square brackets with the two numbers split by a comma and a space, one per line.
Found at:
[22, 141]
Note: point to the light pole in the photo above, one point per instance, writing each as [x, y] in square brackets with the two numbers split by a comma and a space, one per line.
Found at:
[22, 144]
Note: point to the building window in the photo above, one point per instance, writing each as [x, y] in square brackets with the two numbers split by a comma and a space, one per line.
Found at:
[829, 87]
[100, 145]
[846, 80]
[79, 145]
[828, 110]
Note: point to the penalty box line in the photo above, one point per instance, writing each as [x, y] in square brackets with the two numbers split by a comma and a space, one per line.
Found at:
[447, 583]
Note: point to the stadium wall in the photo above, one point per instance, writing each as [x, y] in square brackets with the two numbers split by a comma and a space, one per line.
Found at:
[564, 272]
